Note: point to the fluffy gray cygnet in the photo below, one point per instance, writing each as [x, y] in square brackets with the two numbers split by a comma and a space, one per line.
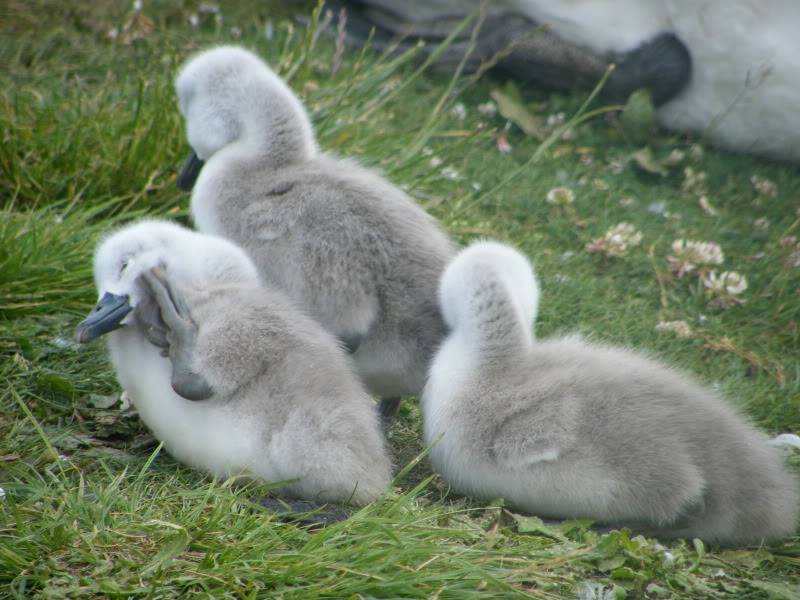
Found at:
[227, 373]
[565, 428]
[352, 250]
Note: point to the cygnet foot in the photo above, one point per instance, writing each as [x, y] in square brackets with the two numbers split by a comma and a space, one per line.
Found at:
[387, 409]
[181, 333]
[303, 512]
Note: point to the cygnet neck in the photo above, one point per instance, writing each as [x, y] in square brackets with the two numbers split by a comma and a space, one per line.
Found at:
[275, 135]
[494, 325]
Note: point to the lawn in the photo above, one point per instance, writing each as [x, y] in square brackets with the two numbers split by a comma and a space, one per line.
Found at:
[92, 138]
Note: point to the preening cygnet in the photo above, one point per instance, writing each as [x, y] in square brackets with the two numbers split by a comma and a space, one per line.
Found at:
[352, 250]
[228, 374]
[564, 428]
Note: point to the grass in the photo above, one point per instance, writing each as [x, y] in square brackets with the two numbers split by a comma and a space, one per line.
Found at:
[91, 138]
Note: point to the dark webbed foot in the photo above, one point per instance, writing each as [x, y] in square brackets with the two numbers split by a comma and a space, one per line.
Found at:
[303, 512]
[387, 410]
[523, 48]
[181, 335]
[662, 64]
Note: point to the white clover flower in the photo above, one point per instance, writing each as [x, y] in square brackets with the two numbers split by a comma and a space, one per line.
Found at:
[459, 111]
[696, 152]
[616, 241]
[560, 196]
[675, 158]
[723, 289]
[436, 161]
[679, 328]
[555, 120]
[194, 20]
[616, 166]
[488, 109]
[694, 182]
[761, 224]
[764, 186]
[2, 493]
[690, 254]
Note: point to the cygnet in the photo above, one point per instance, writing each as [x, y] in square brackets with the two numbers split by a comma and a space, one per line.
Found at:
[352, 250]
[565, 428]
[227, 373]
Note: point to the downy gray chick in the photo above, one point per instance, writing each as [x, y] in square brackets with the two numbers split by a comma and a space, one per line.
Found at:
[352, 250]
[227, 373]
[565, 428]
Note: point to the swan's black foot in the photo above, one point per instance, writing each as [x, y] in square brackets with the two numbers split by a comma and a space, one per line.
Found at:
[522, 49]
[303, 512]
[662, 65]
[181, 334]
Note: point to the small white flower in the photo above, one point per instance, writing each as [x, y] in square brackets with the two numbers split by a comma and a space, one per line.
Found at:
[2, 493]
[137, 6]
[555, 120]
[436, 161]
[764, 186]
[451, 174]
[194, 20]
[679, 328]
[488, 109]
[459, 111]
[627, 201]
[269, 30]
[696, 152]
[427, 151]
[688, 255]
[236, 32]
[694, 182]
[616, 167]
[761, 224]
[560, 196]
[476, 186]
[724, 289]
[675, 158]
[616, 241]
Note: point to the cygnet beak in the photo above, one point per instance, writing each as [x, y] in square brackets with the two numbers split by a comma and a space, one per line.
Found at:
[106, 316]
[190, 172]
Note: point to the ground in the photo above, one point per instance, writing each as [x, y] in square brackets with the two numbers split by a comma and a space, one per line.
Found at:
[92, 138]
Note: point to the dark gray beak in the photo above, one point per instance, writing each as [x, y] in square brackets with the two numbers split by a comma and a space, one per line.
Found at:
[190, 172]
[106, 316]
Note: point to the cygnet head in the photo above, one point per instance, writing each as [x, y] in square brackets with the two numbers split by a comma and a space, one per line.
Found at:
[230, 96]
[481, 264]
[188, 258]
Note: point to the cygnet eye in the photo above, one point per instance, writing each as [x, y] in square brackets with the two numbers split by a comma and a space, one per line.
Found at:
[123, 266]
